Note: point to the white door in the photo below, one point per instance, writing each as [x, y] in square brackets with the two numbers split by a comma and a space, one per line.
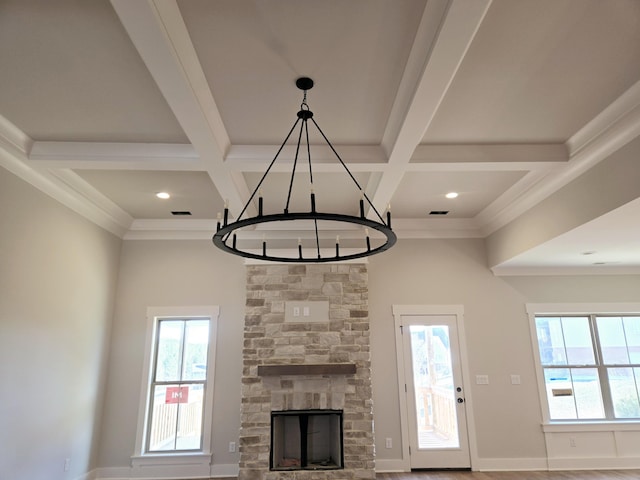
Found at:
[435, 399]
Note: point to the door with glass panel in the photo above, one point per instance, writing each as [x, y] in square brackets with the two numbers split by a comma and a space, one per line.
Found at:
[434, 392]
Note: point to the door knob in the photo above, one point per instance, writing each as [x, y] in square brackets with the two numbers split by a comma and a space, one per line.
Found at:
[461, 400]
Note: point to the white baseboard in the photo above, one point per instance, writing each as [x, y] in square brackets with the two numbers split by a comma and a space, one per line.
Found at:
[171, 472]
[591, 463]
[391, 465]
[113, 473]
[92, 475]
[510, 464]
[224, 470]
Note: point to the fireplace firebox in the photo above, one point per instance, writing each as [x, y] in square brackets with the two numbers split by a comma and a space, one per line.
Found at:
[306, 440]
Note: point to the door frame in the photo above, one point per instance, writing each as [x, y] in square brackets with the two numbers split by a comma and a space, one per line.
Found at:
[458, 311]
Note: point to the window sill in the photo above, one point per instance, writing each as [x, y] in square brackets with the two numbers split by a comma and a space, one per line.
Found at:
[166, 459]
[598, 426]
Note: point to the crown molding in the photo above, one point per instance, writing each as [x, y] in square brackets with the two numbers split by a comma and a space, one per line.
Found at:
[14, 140]
[616, 126]
[625, 104]
[499, 271]
[61, 185]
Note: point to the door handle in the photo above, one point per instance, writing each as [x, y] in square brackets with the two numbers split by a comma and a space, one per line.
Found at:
[460, 400]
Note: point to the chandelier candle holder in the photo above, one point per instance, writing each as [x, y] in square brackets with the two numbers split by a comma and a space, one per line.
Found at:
[227, 238]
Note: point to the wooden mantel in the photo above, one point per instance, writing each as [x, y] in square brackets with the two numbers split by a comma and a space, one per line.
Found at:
[307, 369]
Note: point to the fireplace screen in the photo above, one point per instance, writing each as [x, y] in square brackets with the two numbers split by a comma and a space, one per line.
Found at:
[306, 440]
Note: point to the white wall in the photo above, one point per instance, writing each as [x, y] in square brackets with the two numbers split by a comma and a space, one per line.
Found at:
[172, 273]
[57, 284]
[508, 417]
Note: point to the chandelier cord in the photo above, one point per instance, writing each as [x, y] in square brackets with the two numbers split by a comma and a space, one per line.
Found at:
[313, 203]
[253, 194]
[348, 171]
[295, 163]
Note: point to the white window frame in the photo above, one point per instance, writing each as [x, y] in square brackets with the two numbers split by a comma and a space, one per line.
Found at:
[586, 309]
[141, 458]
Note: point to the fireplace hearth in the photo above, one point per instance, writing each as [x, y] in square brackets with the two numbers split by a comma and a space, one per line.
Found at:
[306, 440]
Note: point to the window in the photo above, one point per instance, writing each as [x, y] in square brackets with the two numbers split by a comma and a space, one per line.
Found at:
[177, 398]
[176, 403]
[590, 365]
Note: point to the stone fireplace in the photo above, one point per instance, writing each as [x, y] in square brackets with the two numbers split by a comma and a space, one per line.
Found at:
[306, 367]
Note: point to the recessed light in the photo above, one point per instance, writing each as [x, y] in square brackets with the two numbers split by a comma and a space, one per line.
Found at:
[590, 252]
[163, 195]
[451, 195]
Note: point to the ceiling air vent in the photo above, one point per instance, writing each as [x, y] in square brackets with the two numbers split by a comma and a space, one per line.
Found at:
[181, 213]
[438, 212]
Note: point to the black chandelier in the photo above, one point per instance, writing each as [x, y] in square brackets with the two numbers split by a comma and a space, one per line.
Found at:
[315, 251]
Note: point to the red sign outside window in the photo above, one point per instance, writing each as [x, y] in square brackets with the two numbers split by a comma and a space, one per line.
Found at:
[177, 395]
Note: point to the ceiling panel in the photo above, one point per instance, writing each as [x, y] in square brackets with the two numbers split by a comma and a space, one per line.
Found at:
[538, 71]
[252, 52]
[70, 73]
[134, 192]
[421, 192]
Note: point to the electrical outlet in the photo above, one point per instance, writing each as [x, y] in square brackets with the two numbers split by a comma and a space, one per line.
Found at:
[572, 441]
[482, 379]
[67, 464]
[296, 311]
[388, 442]
[515, 379]
[232, 447]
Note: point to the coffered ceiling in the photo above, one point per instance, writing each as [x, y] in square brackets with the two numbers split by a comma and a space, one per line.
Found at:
[511, 104]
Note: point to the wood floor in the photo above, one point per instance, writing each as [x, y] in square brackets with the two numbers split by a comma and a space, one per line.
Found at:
[568, 475]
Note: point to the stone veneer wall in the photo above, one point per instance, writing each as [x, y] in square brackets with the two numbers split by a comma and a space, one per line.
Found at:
[269, 340]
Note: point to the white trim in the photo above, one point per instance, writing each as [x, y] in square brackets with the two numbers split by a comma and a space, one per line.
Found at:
[587, 308]
[612, 129]
[458, 312]
[386, 465]
[222, 470]
[12, 139]
[567, 427]
[511, 464]
[605, 120]
[506, 271]
[194, 461]
[91, 475]
[118, 156]
[594, 463]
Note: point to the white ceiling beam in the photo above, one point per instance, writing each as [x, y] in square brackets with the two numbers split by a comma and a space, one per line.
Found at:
[521, 152]
[115, 156]
[158, 32]
[454, 35]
